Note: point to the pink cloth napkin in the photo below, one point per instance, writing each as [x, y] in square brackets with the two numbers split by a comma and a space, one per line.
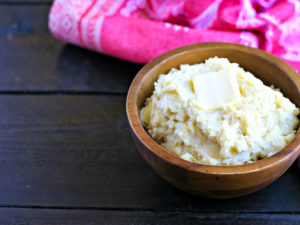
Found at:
[140, 30]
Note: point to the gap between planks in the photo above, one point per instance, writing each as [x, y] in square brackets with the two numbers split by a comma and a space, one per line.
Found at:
[64, 92]
[147, 210]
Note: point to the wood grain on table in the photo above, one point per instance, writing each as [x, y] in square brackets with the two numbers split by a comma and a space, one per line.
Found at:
[66, 154]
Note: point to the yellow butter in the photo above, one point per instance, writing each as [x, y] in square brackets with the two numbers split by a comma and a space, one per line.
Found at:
[215, 89]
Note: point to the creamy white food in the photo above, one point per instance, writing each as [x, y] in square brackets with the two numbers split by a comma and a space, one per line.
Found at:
[201, 120]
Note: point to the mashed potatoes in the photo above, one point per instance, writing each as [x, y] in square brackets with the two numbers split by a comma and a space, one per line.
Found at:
[256, 125]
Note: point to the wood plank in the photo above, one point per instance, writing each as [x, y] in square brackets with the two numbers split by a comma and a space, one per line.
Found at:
[31, 60]
[47, 217]
[76, 151]
[46, 65]
[23, 19]
[25, 2]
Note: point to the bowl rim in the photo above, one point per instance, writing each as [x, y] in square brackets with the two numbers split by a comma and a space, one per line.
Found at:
[290, 150]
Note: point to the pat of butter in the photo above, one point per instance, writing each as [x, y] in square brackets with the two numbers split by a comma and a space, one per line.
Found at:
[215, 89]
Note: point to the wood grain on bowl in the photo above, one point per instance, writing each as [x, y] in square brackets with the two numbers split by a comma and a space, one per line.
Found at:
[206, 180]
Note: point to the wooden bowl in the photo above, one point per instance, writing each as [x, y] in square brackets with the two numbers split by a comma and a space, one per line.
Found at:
[206, 180]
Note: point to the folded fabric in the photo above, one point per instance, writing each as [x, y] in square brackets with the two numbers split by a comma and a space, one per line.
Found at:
[140, 30]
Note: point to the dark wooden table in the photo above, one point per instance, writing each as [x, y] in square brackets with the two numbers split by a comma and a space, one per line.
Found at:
[66, 154]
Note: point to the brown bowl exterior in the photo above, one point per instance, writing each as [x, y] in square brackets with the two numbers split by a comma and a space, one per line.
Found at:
[205, 180]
